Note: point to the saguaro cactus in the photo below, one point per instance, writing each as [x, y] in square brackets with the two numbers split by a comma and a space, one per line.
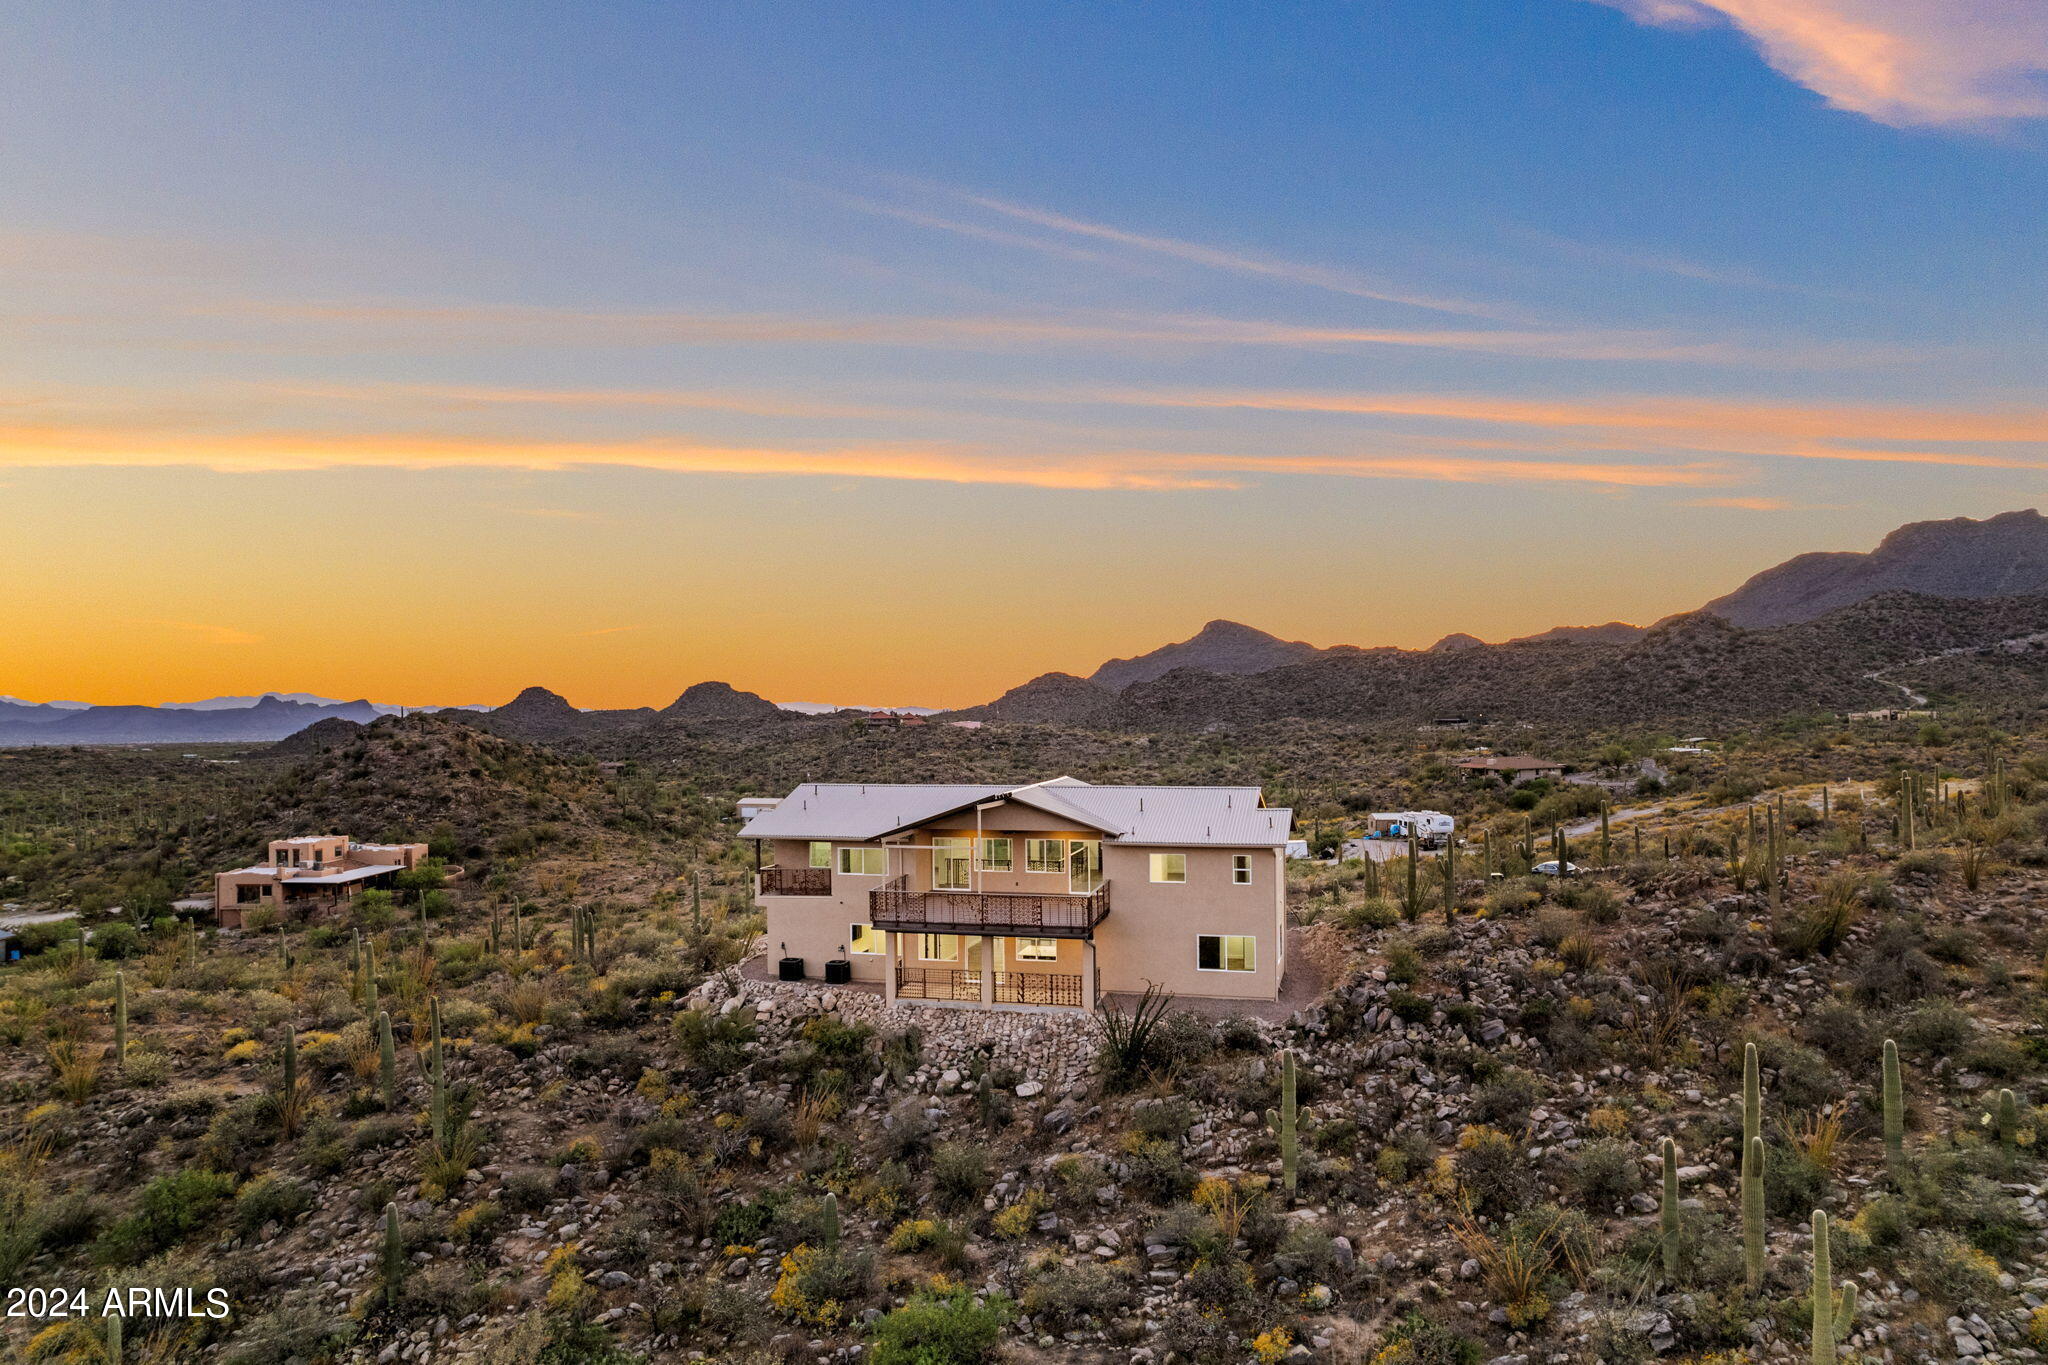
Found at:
[394, 1257]
[831, 1220]
[1894, 1111]
[1752, 1096]
[120, 1021]
[114, 1339]
[1753, 1214]
[1832, 1311]
[387, 1062]
[370, 977]
[1605, 844]
[1667, 1214]
[1450, 880]
[2007, 1118]
[437, 1112]
[1283, 1121]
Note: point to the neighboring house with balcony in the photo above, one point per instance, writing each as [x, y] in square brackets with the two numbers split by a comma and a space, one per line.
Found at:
[312, 872]
[1042, 894]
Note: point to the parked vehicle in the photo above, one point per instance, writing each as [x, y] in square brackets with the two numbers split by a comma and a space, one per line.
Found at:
[1430, 828]
[1548, 868]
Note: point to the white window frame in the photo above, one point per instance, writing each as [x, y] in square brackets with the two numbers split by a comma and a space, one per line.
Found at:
[846, 852]
[1163, 862]
[1223, 954]
[988, 864]
[856, 932]
[821, 846]
[1058, 847]
[954, 846]
[924, 943]
[1240, 869]
[1037, 949]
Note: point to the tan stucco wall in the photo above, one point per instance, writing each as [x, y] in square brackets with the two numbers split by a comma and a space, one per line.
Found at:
[1149, 936]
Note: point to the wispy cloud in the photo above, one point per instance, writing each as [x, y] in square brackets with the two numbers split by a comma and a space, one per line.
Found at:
[606, 630]
[1898, 61]
[1741, 504]
[1791, 431]
[1144, 470]
[468, 396]
[1255, 264]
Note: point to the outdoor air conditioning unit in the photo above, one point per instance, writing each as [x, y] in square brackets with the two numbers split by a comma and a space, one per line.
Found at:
[790, 969]
[838, 972]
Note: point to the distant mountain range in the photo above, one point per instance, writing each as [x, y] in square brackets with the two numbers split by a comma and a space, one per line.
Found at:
[1729, 658]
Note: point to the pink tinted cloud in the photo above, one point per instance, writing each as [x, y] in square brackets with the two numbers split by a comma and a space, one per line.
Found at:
[1901, 62]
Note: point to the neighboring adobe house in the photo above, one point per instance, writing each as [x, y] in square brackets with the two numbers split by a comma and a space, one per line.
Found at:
[1516, 768]
[1045, 894]
[312, 872]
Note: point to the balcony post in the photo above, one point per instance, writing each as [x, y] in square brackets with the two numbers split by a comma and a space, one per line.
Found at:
[888, 968]
[987, 964]
[1088, 974]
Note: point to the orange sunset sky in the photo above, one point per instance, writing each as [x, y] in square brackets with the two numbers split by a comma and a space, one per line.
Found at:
[896, 354]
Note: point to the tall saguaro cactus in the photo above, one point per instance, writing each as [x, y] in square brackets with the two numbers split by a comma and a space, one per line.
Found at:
[1752, 1096]
[1283, 1121]
[1667, 1213]
[1753, 1214]
[394, 1257]
[1894, 1111]
[831, 1220]
[120, 1021]
[387, 1062]
[1832, 1311]
[1450, 880]
[437, 1112]
[114, 1328]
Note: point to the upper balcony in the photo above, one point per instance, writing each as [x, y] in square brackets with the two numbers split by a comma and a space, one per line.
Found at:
[796, 881]
[1031, 914]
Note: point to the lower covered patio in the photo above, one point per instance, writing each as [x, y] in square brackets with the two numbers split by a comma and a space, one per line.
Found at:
[989, 971]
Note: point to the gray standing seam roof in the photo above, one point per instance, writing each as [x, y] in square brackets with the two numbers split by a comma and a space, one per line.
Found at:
[1225, 817]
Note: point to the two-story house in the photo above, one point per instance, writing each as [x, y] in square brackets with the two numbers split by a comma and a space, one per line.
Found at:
[1048, 893]
[311, 872]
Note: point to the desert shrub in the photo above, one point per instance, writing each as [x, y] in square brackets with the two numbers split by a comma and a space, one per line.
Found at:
[271, 1199]
[527, 1190]
[1803, 1079]
[820, 1285]
[1306, 1254]
[1155, 1168]
[173, 1207]
[1894, 969]
[1847, 1035]
[117, 941]
[715, 1043]
[1492, 1170]
[1169, 1119]
[1504, 1101]
[1067, 1297]
[942, 1329]
[239, 1133]
[1415, 1340]
[292, 1334]
[1938, 1028]
[1375, 912]
[960, 1174]
[1184, 1039]
[1951, 1271]
[1596, 902]
[1604, 1173]
[1794, 1183]
[907, 1131]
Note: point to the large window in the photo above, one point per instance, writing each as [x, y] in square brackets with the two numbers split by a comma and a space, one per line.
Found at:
[821, 853]
[864, 862]
[1169, 867]
[1226, 952]
[952, 864]
[996, 855]
[862, 938]
[1045, 855]
[1038, 950]
[938, 947]
[1241, 868]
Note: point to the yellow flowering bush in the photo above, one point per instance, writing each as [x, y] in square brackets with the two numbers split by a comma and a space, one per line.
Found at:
[1271, 1346]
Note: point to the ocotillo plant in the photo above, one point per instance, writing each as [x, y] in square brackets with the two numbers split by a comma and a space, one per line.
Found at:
[830, 1234]
[1832, 1312]
[394, 1257]
[1753, 1214]
[284, 951]
[387, 1062]
[120, 1021]
[1894, 1111]
[696, 905]
[1283, 1122]
[370, 977]
[1667, 1213]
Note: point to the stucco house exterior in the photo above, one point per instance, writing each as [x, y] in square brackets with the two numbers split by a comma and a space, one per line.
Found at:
[1515, 768]
[1044, 894]
[313, 871]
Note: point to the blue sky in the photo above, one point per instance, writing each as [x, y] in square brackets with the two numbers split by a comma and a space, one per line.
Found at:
[1363, 322]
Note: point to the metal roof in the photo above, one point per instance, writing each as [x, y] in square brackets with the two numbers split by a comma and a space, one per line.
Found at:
[1226, 817]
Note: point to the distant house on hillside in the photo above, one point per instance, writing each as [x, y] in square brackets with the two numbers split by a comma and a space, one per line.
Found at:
[309, 873]
[1893, 714]
[1040, 895]
[1516, 768]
